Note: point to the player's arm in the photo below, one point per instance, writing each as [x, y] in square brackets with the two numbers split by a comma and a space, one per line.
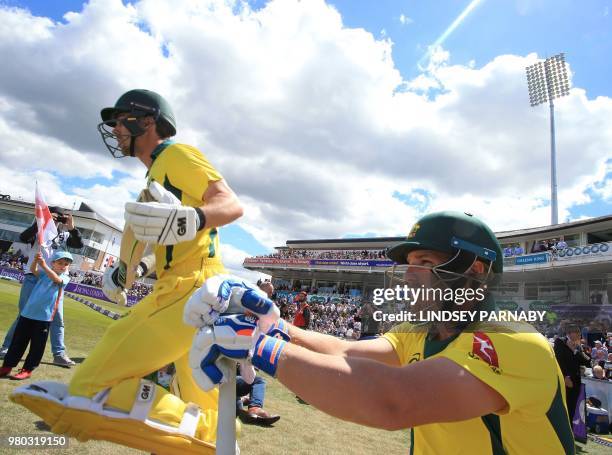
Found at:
[221, 205]
[165, 221]
[377, 395]
[378, 349]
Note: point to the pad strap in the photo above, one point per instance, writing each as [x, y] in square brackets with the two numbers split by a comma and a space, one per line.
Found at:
[144, 400]
[190, 420]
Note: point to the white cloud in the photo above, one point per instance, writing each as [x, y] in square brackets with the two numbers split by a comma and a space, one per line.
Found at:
[309, 121]
[405, 20]
[233, 259]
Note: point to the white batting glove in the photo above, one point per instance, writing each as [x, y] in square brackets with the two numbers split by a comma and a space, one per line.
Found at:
[165, 222]
[229, 294]
[231, 337]
[111, 287]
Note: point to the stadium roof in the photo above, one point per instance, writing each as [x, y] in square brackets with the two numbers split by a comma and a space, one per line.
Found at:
[603, 222]
[84, 211]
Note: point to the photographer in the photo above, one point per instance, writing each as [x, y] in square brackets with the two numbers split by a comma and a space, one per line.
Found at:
[68, 236]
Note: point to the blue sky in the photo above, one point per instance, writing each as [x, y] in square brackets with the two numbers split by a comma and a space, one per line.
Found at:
[488, 29]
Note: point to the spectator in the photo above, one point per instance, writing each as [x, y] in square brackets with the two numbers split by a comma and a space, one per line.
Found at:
[302, 315]
[255, 414]
[598, 372]
[266, 286]
[561, 245]
[518, 250]
[570, 357]
[44, 301]
[507, 251]
[68, 236]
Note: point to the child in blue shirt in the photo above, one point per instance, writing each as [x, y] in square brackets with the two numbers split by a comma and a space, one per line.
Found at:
[33, 325]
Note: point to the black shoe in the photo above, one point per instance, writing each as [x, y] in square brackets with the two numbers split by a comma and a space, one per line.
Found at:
[257, 416]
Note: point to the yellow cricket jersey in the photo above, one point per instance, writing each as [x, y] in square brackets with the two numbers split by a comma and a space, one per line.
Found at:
[520, 366]
[185, 172]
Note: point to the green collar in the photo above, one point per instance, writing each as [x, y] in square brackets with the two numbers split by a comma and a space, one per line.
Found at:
[160, 148]
[157, 151]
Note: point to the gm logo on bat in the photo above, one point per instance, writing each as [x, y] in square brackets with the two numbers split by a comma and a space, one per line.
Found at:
[182, 225]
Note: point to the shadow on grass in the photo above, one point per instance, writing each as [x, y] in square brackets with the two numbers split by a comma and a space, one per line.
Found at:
[77, 360]
[42, 426]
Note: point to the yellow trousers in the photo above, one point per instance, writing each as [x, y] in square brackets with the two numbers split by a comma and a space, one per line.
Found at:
[151, 336]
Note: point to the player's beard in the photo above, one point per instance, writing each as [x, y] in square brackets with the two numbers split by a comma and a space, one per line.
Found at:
[430, 300]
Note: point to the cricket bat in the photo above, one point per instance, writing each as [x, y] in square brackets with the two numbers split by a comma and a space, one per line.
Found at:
[226, 421]
[132, 250]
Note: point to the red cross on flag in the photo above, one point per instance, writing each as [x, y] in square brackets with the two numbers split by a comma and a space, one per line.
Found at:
[46, 227]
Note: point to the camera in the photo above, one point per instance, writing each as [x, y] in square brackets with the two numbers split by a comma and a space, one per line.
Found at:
[61, 218]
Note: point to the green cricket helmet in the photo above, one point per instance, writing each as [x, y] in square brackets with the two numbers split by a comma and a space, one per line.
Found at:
[463, 236]
[137, 103]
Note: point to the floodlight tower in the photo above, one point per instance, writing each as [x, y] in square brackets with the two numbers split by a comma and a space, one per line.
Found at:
[546, 81]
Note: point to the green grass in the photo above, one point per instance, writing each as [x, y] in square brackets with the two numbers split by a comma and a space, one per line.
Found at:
[301, 430]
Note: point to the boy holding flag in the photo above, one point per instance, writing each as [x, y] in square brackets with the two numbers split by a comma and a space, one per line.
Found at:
[33, 324]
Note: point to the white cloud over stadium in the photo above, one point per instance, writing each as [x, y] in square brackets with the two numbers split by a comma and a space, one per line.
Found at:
[309, 121]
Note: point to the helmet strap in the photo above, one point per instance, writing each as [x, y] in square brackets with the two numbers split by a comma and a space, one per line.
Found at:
[132, 125]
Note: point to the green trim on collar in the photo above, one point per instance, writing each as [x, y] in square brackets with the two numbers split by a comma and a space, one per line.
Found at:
[160, 148]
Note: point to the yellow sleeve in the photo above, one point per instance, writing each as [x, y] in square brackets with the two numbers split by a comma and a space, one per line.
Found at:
[521, 367]
[403, 341]
[190, 171]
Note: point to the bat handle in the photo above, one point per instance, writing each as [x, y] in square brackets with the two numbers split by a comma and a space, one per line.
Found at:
[226, 421]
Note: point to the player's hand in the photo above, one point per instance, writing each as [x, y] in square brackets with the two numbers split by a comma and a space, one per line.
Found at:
[230, 336]
[236, 337]
[280, 330]
[229, 294]
[165, 222]
[111, 286]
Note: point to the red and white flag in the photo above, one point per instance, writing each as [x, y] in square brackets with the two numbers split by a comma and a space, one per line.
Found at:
[46, 227]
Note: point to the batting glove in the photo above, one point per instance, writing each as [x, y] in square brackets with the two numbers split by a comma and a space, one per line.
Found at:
[229, 294]
[236, 337]
[165, 222]
[111, 287]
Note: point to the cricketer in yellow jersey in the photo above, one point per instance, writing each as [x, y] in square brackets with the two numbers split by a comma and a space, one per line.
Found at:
[106, 398]
[462, 388]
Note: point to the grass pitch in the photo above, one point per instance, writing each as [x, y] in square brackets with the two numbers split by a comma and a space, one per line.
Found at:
[302, 429]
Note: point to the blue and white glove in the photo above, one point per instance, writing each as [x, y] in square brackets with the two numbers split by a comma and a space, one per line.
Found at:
[280, 330]
[236, 337]
[229, 294]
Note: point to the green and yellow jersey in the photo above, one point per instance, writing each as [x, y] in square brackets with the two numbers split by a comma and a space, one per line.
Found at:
[521, 366]
[185, 172]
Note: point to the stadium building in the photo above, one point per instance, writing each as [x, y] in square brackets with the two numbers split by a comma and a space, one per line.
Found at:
[101, 238]
[573, 276]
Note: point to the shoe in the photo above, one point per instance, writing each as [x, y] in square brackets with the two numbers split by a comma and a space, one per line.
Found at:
[63, 360]
[3, 352]
[257, 416]
[5, 371]
[21, 375]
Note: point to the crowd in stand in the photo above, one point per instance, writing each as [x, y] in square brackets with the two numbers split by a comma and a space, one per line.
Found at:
[372, 255]
[338, 319]
[595, 343]
[13, 260]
